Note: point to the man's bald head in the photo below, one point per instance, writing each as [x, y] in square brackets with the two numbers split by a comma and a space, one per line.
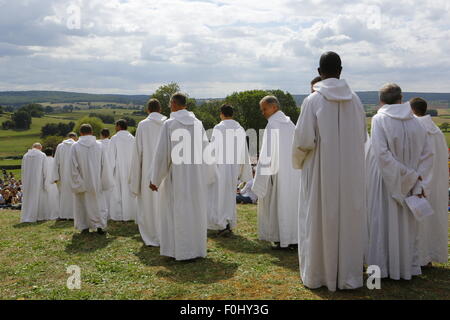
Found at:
[330, 65]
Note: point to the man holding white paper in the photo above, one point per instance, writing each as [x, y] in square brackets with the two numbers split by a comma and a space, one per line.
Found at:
[399, 163]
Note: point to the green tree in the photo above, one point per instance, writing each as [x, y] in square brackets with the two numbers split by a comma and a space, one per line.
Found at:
[49, 109]
[96, 123]
[1, 110]
[22, 120]
[34, 109]
[131, 122]
[163, 94]
[52, 142]
[248, 113]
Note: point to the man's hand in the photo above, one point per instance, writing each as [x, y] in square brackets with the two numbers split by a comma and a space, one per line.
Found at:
[153, 187]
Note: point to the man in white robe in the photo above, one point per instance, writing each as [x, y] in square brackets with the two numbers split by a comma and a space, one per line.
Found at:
[147, 134]
[233, 165]
[123, 202]
[329, 148]
[183, 178]
[33, 180]
[400, 161]
[90, 179]
[105, 140]
[61, 176]
[50, 205]
[276, 183]
[433, 231]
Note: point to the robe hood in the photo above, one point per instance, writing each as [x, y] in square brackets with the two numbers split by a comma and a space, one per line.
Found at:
[34, 153]
[279, 117]
[69, 141]
[183, 116]
[429, 125]
[157, 117]
[87, 141]
[334, 89]
[124, 133]
[231, 124]
[397, 111]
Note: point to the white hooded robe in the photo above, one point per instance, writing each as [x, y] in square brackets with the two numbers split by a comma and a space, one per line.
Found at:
[433, 231]
[33, 179]
[399, 154]
[123, 205]
[90, 178]
[148, 216]
[329, 147]
[50, 205]
[183, 186]
[230, 169]
[61, 173]
[277, 184]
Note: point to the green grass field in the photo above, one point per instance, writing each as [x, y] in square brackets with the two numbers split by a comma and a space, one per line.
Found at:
[34, 259]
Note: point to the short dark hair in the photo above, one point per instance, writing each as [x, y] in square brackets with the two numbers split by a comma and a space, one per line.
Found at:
[390, 93]
[180, 99]
[105, 133]
[227, 110]
[153, 105]
[330, 64]
[123, 124]
[86, 129]
[48, 152]
[419, 106]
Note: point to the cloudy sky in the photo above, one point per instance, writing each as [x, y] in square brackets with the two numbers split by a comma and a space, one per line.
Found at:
[215, 47]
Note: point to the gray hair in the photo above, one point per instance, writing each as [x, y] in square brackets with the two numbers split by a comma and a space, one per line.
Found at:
[271, 100]
[390, 93]
[37, 145]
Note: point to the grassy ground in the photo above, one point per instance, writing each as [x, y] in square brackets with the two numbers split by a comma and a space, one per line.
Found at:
[34, 258]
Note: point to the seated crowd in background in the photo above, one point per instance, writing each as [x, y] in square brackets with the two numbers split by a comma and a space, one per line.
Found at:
[10, 191]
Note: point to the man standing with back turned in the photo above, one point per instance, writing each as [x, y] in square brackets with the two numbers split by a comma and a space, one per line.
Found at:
[329, 148]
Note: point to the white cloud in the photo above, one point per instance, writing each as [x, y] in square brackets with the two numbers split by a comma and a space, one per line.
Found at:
[215, 47]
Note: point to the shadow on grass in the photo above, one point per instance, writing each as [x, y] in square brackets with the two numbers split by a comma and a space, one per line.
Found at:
[237, 243]
[86, 243]
[28, 224]
[205, 271]
[123, 229]
[62, 224]
[433, 284]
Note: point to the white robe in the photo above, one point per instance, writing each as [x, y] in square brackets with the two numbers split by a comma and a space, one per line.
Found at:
[222, 200]
[183, 187]
[90, 178]
[329, 148]
[61, 173]
[50, 205]
[433, 231]
[277, 184]
[108, 195]
[33, 179]
[123, 205]
[148, 216]
[400, 152]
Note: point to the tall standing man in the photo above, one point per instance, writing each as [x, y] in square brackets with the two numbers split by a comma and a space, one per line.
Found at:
[147, 134]
[433, 231]
[123, 203]
[233, 165]
[61, 176]
[90, 179]
[329, 148]
[182, 177]
[33, 179]
[276, 183]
